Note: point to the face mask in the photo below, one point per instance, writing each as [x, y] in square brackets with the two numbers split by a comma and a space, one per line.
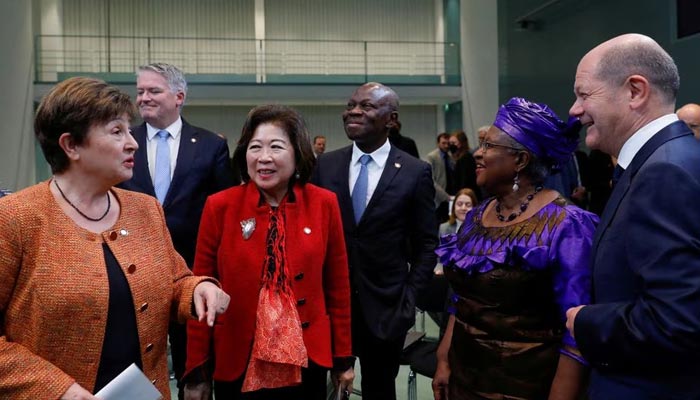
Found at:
[453, 148]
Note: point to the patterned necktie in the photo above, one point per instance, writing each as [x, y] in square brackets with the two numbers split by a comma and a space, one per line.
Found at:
[162, 180]
[359, 192]
[617, 173]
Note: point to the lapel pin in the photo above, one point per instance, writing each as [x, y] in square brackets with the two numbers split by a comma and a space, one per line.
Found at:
[397, 165]
[247, 227]
[193, 140]
[307, 230]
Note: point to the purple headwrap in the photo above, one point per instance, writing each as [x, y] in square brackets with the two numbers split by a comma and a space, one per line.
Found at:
[538, 128]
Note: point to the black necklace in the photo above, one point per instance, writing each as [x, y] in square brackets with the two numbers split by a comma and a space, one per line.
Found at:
[109, 204]
[523, 207]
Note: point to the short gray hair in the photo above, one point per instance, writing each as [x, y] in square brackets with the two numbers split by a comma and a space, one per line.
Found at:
[645, 58]
[172, 74]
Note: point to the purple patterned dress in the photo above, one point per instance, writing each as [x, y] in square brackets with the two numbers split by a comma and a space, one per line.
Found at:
[512, 287]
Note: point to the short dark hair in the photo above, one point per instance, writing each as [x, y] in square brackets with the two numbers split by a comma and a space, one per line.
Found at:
[442, 135]
[318, 137]
[74, 106]
[645, 58]
[287, 119]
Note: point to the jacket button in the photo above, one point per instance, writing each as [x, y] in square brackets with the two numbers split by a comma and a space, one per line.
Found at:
[301, 302]
[299, 276]
[144, 307]
[305, 324]
[113, 235]
[131, 269]
[149, 347]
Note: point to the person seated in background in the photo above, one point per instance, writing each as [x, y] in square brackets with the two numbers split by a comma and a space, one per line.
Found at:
[518, 262]
[464, 201]
[277, 243]
[90, 278]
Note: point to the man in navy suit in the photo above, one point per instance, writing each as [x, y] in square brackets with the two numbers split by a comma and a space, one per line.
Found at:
[390, 232]
[641, 334]
[198, 166]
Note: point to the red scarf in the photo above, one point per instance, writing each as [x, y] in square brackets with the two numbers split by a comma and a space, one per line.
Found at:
[278, 345]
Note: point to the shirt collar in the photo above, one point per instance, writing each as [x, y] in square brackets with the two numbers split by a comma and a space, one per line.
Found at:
[174, 129]
[639, 138]
[379, 156]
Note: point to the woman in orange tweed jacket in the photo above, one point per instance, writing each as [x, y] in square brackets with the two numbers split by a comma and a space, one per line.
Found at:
[89, 278]
[276, 244]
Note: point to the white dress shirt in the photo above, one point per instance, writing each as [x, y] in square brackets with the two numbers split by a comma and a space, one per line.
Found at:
[639, 138]
[173, 142]
[374, 167]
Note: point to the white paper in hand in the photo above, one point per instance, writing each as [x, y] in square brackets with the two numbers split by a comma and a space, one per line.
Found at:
[131, 384]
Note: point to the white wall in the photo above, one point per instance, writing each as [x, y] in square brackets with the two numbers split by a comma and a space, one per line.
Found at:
[16, 107]
[479, 54]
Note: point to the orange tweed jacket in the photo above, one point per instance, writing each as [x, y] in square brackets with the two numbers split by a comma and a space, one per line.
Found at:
[54, 291]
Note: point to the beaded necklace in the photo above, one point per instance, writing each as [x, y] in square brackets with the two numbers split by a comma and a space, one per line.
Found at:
[523, 207]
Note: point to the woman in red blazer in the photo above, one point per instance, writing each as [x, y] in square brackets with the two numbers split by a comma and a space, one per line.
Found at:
[276, 244]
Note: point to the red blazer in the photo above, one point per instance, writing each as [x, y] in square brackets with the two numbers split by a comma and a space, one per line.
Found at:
[317, 265]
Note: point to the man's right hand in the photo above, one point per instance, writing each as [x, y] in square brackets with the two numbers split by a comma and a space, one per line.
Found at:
[440, 381]
[77, 392]
[199, 391]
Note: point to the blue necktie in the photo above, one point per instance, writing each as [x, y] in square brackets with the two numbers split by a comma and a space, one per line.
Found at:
[162, 180]
[359, 192]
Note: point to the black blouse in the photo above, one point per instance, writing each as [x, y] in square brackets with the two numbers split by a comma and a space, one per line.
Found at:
[121, 345]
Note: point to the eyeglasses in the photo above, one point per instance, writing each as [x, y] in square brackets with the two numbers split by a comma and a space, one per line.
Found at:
[484, 145]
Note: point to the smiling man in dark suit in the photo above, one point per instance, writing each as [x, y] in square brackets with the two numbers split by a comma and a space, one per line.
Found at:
[177, 163]
[641, 334]
[386, 201]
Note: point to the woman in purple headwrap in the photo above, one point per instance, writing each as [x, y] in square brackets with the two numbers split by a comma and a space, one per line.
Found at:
[519, 261]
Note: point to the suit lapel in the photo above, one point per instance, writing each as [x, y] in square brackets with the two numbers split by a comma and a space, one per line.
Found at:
[668, 133]
[340, 179]
[142, 175]
[188, 148]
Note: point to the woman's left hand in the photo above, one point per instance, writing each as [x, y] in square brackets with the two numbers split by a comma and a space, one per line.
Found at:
[209, 301]
[344, 379]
